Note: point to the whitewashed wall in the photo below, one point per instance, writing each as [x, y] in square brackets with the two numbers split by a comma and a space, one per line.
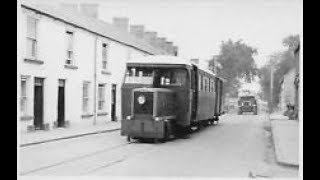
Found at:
[51, 39]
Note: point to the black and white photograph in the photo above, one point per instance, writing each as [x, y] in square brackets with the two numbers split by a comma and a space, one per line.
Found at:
[169, 89]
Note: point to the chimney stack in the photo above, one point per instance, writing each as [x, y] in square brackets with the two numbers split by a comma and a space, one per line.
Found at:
[90, 10]
[121, 23]
[137, 30]
[150, 37]
[168, 47]
[162, 43]
[175, 50]
[195, 61]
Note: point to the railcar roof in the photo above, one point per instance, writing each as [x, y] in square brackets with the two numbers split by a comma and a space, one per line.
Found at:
[166, 59]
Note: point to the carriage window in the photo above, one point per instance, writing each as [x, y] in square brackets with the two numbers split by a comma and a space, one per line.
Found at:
[208, 85]
[205, 84]
[200, 82]
[213, 85]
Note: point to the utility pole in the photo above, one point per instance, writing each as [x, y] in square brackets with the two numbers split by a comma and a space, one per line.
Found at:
[271, 89]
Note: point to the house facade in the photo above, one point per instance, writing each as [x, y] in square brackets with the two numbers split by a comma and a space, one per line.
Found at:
[290, 87]
[71, 67]
[287, 95]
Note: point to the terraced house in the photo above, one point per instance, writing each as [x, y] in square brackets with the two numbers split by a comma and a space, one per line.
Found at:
[71, 65]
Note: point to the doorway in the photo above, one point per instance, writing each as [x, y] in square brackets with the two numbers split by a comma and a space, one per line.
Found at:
[195, 91]
[113, 102]
[61, 103]
[38, 103]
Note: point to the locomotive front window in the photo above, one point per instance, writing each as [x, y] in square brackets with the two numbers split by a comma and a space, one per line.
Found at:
[139, 76]
[158, 77]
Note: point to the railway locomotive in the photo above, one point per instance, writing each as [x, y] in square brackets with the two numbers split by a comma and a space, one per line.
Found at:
[165, 95]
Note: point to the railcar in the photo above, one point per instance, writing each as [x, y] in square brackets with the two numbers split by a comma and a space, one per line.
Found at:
[165, 95]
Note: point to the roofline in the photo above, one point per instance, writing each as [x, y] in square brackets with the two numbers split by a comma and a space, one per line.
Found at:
[78, 26]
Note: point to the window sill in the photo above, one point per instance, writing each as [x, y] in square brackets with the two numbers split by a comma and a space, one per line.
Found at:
[33, 61]
[105, 72]
[69, 66]
[86, 115]
[102, 113]
[26, 118]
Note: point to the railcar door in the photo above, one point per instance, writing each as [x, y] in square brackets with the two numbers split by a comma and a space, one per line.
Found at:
[220, 97]
[217, 88]
[195, 92]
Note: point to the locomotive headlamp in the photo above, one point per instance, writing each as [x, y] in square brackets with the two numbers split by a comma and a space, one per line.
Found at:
[158, 118]
[129, 117]
[141, 99]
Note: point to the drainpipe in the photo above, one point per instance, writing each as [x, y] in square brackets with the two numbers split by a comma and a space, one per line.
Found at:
[95, 82]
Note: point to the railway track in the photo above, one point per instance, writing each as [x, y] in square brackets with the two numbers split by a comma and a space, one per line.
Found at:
[78, 158]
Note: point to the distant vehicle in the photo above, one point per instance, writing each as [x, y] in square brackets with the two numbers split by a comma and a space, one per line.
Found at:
[247, 104]
[164, 95]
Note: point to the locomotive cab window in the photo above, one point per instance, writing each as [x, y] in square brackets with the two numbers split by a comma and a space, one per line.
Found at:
[172, 77]
[158, 77]
[139, 76]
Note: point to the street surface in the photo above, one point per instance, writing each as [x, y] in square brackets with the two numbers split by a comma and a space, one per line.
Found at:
[240, 146]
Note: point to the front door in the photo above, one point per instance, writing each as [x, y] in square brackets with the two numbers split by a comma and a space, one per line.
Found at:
[38, 103]
[61, 119]
[113, 102]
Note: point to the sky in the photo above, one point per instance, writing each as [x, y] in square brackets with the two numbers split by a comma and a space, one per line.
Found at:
[198, 27]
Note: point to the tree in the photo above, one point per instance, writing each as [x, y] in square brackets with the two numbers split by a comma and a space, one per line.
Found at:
[282, 63]
[236, 60]
[291, 42]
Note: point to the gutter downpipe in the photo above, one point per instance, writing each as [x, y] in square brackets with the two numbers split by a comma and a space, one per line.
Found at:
[95, 81]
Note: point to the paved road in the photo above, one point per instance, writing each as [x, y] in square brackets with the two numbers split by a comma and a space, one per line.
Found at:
[239, 146]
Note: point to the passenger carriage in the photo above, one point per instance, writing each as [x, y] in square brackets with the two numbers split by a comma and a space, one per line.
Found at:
[165, 95]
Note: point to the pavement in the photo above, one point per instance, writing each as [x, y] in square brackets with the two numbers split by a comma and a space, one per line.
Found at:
[285, 135]
[37, 137]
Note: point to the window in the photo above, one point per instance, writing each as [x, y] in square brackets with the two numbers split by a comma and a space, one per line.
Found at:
[104, 56]
[205, 84]
[208, 84]
[85, 97]
[69, 47]
[101, 97]
[31, 37]
[200, 83]
[23, 96]
[213, 88]
[157, 77]
[176, 77]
